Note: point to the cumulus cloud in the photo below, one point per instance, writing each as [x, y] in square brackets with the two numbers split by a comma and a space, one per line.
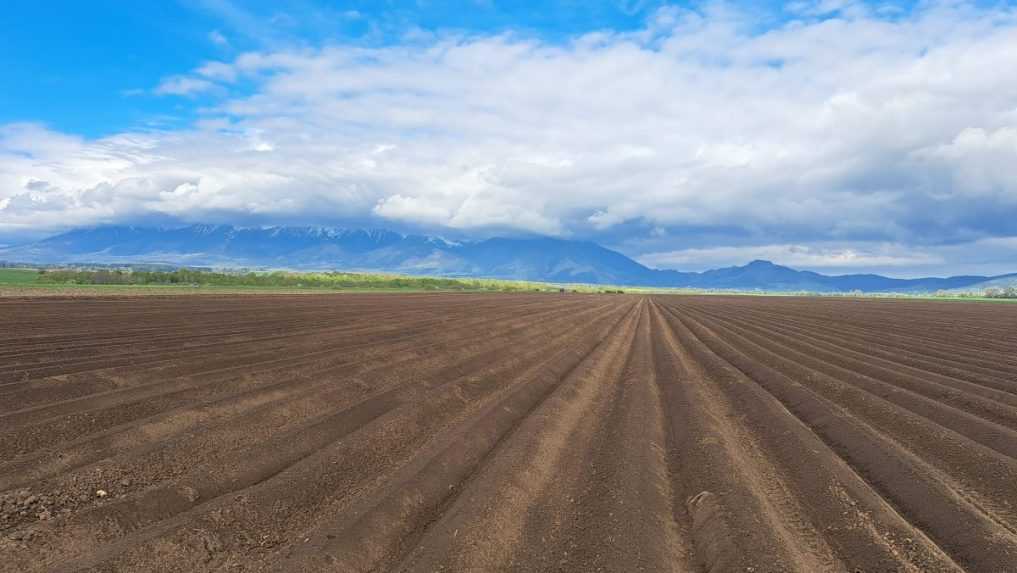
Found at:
[842, 125]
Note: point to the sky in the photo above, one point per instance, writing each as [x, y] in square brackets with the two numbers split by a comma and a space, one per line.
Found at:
[829, 135]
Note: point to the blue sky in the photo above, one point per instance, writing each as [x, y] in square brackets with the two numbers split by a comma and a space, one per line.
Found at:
[835, 135]
[85, 67]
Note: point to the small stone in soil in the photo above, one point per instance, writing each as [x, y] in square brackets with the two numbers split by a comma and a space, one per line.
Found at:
[189, 493]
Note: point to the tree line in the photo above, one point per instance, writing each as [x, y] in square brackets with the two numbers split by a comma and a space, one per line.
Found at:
[332, 280]
[1001, 292]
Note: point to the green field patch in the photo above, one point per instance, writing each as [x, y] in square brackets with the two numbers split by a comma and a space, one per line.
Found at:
[18, 277]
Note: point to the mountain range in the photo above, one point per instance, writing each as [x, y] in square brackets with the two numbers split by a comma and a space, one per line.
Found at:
[538, 259]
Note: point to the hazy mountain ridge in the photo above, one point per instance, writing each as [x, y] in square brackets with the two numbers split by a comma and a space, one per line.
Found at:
[542, 258]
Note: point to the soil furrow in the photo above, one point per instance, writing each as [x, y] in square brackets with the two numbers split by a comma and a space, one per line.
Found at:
[507, 432]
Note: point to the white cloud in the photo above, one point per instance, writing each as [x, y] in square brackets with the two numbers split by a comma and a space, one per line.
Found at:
[816, 256]
[183, 86]
[217, 38]
[853, 127]
[978, 162]
[412, 209]
[218, 71]
[989, 256]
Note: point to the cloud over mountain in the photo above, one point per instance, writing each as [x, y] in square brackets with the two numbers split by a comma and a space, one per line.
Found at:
[844, 127]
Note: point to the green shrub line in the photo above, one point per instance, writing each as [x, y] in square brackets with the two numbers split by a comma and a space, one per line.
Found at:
[356, 281]
[330, 280]
[273, 279]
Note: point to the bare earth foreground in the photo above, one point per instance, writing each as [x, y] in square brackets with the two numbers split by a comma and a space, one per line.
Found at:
[507, 432]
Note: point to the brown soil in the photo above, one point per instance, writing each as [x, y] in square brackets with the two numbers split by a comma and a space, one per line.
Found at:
[506, 433]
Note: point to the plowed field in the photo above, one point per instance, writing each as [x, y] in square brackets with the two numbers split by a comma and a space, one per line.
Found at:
[507, 432]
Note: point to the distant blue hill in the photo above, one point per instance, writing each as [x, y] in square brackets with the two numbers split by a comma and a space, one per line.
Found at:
[539, 259]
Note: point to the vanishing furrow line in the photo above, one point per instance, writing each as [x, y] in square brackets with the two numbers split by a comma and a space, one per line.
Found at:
[262, 325]
[159, 386]
[274, 330]
[578, 486]
[980, 411]
[958, 356]
[725, 486]
[382, 535]
[162, 426]
[949, 336]
[278, 456]
[957, 526]
[1003, 388]
[862, 529]
[160, 355]
[222, 364]
[981, 457]
[362, 458]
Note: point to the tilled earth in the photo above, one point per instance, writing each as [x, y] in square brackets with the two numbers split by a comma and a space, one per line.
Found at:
[507, 432]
